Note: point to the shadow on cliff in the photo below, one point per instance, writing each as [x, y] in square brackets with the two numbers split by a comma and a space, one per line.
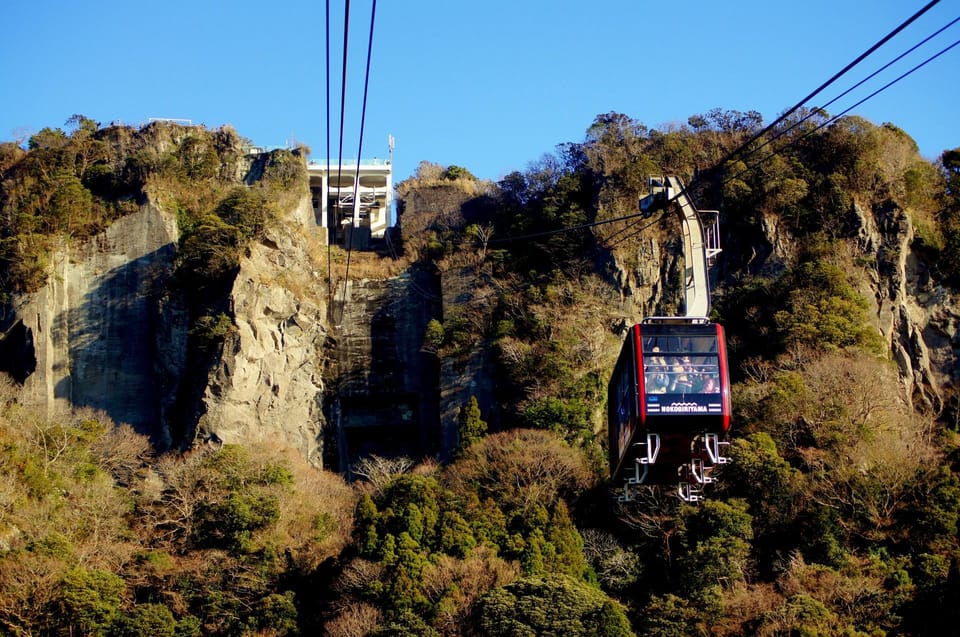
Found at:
[123, 350]
[388, 391]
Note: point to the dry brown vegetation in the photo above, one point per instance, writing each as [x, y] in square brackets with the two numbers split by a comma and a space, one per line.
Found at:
[82, 498]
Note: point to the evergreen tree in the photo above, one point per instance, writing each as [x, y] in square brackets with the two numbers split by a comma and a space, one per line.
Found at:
[472, 427]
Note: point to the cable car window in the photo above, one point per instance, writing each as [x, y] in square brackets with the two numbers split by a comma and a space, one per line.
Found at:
[681, 373]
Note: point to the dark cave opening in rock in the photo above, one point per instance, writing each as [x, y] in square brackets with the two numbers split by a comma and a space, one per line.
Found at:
[17, 356]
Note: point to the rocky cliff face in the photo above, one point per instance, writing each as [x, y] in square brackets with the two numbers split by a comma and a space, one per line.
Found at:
[268, 383]
[918, 317]
[108, 332]
[96, 335]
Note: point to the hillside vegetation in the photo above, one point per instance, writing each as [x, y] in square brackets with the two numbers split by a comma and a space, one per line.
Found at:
[837, 516]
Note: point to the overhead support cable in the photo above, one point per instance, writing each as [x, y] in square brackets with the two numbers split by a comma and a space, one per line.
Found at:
[356, 181]
[833, 79]
[343, 88]
[343, 105]
[819, 89]
[582, 226]
[841, 114]
[325, 204]
[634, 216]
[852, 88]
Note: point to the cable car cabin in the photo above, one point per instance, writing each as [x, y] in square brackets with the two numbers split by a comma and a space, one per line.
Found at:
[669, 404]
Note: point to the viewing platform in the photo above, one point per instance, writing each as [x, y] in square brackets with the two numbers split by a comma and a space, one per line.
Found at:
[352, 199]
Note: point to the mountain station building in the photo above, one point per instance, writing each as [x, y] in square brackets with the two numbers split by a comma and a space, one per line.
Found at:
[352, 200]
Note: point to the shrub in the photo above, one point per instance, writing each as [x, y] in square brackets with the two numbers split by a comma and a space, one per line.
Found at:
[551, 605]
[231, 522]
[90, 600]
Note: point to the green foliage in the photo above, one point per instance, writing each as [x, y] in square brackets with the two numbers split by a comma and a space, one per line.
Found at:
[276, 613]
[458, 172]
[237, 469]
[71, 204]
[716, 546]
[761, 476]
[551, 605]
[434, 335]
[826, 312]
[406, 624]
[147, 619]
[549, 197]
[456, 535]
[471, 427]
[285, 171]
[245, 209]
[197, 158]
[567, 543]
[670, 616]
[934, 515]
[208, 257]
[212, 544]
[418, 524]
[949, 257]
[569, 418]
[63, 185]
[810, 306]
[47, 138]
[806, 616]
[822, 524]
[209, 332]
[89, 601]
[229, 523]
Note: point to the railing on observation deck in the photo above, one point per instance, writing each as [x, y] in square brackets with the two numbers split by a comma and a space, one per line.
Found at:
[322, 163]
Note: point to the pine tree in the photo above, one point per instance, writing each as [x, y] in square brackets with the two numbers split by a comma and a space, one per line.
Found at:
[472, 427]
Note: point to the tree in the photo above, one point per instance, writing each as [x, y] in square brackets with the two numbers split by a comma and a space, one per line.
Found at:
[551, 605]
[481, 234]
[567, 543]
[671, 616]
[458, 172]
[520, 469]
[471, 427]
[147, 619]
[90, 600]
[759, 474]
[229, 523]
[824, 310]
[949, 261]
[616, 567]
[245, 209]
[380, 471]
[717, 548]
[71, 205]
[83, 125]
[433, 336]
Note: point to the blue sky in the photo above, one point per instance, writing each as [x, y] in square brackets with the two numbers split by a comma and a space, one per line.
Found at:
[491, 86]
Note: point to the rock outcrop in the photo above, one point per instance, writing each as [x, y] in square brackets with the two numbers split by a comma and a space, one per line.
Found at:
[107, 331]
[268, 383]
[917, 317]
[91, 336]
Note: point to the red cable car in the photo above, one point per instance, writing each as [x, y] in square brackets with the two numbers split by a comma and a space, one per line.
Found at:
[669, 404]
